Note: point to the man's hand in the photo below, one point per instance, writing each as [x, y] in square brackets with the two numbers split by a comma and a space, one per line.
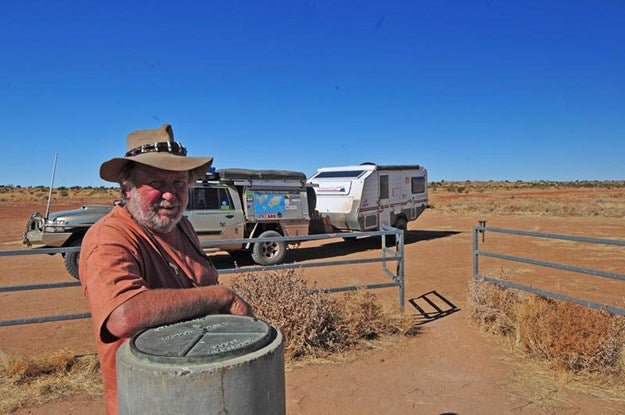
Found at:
[238, 306]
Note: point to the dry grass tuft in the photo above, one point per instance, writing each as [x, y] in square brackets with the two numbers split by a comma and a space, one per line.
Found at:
[569, 336]
[27, 381]
[492, 307]
[315, 325]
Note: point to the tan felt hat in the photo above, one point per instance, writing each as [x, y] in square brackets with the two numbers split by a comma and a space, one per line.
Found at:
[155, 148]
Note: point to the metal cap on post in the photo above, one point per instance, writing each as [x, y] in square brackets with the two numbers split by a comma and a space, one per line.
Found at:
[209, 339]
[214, 364]
[482, 231]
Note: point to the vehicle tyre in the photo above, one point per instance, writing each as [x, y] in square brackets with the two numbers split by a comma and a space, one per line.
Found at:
[71, 258]
[269, 253]
[311, 195]
[402, 224]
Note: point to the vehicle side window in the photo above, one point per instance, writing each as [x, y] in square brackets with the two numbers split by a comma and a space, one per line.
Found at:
[418, 185]
[205, 198]
[383, 186]
[225, 202]
[210, 198]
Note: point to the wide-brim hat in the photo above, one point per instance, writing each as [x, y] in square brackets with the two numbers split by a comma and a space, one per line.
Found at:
[156, 148]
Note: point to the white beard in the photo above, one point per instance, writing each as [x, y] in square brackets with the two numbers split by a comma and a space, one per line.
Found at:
[148, 216]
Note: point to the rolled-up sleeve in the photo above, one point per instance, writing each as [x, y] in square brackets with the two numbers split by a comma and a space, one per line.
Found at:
[110, 276]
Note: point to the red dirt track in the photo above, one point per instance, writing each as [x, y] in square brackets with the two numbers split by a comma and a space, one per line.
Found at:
[449, 367]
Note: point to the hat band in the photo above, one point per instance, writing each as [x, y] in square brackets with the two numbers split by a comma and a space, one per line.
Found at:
[171, 147]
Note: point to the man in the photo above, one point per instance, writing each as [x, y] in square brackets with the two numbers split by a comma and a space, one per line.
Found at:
[142, 265]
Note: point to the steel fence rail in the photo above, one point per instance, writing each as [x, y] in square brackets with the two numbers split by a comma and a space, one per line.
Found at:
[580, 270]
[46, 319]
[360, 287]
[386, 255]
[298, 265]
[574, 238]
[209, 243]
[39, 251]
[44, 286]
[555, 265]
[550, 294]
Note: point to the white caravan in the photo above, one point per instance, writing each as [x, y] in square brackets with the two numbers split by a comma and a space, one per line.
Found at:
[368, 196]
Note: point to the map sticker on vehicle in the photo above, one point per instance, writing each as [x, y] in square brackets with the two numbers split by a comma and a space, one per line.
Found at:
[269, 204]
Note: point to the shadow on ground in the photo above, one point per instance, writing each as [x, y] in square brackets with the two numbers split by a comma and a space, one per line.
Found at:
[333, 248]
[432, 306]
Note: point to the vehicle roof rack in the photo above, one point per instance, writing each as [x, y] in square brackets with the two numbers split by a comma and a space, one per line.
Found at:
[247, 174]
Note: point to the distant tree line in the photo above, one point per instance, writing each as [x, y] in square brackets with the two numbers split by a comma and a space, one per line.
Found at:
[42, 187]
[480, 186]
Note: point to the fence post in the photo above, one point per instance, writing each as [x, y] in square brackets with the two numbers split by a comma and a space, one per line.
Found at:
[400, 269]
[475, 255]
[383, 240]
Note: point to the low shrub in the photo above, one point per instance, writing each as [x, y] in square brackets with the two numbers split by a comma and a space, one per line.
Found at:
[317, 324]
[568, 335]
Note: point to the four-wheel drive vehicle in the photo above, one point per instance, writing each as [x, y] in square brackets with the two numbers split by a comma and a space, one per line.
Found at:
[63, 229]
[369, 196]
[228, 204]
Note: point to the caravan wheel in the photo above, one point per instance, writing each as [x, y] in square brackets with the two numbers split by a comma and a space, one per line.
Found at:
[402, 224]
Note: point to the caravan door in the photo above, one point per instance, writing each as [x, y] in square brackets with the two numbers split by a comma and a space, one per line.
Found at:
[384, 200]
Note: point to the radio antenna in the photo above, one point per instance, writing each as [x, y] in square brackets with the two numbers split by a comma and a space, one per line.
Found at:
[56, 156]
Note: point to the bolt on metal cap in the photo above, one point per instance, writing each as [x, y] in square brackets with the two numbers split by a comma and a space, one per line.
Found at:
[209, 339]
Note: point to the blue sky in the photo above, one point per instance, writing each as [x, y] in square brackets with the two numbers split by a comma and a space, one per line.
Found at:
[472, 90]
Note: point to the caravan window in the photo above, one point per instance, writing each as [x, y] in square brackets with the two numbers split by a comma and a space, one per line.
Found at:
[384, 187]
[339, 174]
[418, 184]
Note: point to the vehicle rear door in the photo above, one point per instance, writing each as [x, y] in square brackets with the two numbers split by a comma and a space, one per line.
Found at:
[215, 213]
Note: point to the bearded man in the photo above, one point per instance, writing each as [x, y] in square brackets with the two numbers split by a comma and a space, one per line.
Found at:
[142, 265]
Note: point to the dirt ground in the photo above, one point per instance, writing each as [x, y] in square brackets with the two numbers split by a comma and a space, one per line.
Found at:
[448, 368]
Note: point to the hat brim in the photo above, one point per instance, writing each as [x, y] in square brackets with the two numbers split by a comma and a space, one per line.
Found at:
[111, 170]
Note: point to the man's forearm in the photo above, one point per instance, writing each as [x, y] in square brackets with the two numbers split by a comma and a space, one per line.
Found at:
[162, 306]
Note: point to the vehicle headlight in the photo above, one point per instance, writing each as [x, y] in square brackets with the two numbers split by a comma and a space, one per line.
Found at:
[56, 225]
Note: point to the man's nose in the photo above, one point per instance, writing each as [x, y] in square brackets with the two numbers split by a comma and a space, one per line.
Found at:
[168, 191]
[169, 195]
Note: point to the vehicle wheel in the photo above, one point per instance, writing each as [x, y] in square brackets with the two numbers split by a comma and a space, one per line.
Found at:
[311, 195]
[71, 259]
[402, 224]
[269, 253]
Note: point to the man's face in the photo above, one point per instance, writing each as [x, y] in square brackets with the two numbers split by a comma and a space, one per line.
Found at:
[159, 197]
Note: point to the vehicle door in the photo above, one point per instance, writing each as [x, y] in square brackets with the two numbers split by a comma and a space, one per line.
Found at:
[215, 214]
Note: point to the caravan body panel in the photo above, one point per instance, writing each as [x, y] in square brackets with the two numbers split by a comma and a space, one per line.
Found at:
[369, 196]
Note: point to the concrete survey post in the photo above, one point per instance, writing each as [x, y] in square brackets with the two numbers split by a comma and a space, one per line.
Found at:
[218, 364]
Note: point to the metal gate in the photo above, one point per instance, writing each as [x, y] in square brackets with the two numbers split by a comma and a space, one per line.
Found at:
[386, 255]
[482, 228]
